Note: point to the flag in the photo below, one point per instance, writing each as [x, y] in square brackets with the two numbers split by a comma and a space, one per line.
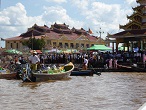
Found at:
[2, 39]
[90, 31]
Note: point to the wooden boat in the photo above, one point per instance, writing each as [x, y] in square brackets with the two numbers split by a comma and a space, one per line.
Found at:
[7, 75]
[82, 73]
[59, 74]
[138, 68]
[89, 72]
[132, 68]
[124, 68]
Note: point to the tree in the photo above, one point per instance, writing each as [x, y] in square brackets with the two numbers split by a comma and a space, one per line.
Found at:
[34, 44]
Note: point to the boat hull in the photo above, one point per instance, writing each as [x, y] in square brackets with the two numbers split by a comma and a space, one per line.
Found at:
[45, 77]
[56, 76]
[82, 73]
[8, 76]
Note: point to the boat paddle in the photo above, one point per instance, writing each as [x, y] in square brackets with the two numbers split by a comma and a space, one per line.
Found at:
[26, 76]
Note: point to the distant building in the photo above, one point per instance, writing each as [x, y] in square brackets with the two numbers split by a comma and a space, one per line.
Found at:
[57, 36]
[134, 34]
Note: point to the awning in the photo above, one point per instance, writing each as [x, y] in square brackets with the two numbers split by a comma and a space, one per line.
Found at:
[100, 47]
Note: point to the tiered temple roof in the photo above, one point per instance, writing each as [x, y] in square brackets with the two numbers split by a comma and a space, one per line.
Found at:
[56, 31]
[137, 21]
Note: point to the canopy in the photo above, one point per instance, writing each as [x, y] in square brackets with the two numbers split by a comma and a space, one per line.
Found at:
[100, 47]
[37, 51]
[52, 51]
[70, 51]
[12, 51]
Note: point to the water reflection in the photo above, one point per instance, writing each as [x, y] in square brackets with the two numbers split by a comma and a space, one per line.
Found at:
[110, 91]
[34, 85]
[31, 85]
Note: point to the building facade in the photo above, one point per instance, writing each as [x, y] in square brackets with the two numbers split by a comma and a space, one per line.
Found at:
[134, 34]
[57, 36]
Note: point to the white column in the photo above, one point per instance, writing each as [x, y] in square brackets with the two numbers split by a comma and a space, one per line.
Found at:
[141, 44]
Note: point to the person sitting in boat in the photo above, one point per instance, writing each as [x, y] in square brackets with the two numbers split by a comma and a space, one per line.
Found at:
[34, 60]
[85, 63]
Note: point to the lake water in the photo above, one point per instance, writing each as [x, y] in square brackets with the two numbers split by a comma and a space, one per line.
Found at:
[110, 91]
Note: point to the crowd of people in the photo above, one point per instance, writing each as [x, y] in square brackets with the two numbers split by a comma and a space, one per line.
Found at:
[94, 59]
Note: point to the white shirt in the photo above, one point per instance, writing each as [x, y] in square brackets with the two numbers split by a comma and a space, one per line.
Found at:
[34, 59]
[85, 61]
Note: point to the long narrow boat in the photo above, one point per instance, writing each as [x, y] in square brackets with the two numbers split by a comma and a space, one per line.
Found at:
[85, 73]
[59, 74]
[82, 73]
[89, 72]
[7, 75]
[138, 69]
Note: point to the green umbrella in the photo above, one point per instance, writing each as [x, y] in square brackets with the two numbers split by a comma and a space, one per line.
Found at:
[100, 47]
[13, 51]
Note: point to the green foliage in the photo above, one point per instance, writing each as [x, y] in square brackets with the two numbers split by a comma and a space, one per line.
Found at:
[34, 44]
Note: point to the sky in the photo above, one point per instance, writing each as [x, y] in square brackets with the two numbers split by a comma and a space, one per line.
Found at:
[104, 16]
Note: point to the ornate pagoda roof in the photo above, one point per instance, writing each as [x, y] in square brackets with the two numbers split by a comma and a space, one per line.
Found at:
[62, 26]
[137, 18]
[135, 24]
[135, 14]
[136, 27]
[139, 8]
[42, 29]
[141, 1]
[129, 33]
[138, 1]
[62, 31]
[53, 33]
[80, 31]
[32, 32]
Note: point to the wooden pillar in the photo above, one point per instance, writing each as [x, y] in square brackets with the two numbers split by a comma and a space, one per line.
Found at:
[117, 43]
[141, 45]
[128, 46]
[124, 46]
[132, 46]
[113, 47]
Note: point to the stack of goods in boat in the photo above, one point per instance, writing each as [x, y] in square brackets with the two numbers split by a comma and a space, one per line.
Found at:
[6, 74]
[53, 70]
[2, 70]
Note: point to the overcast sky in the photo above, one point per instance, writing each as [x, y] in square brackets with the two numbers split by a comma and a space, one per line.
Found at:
[18, 15]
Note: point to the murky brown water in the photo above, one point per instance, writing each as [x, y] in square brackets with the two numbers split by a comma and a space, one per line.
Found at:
[110, 91]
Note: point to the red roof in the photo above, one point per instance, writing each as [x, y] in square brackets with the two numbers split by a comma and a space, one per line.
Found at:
[17, 38]
[71, 35]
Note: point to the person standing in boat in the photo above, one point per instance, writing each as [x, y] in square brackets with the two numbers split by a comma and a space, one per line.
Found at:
[111, 63]
[115, 63]
[15, 59]
[34, 60]
[85, 63]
